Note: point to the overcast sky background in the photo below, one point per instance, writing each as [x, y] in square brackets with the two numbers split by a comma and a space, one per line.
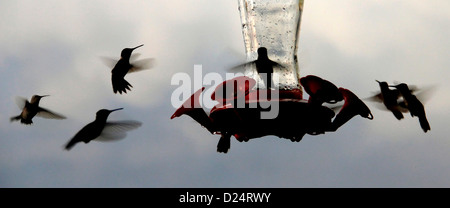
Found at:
[53, 47]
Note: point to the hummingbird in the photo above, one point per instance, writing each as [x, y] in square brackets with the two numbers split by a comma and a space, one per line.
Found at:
[320, 90]
[102, 130]
[31, 109]
[414, 105]
[390, 100]
[123, 67]
[264, 66]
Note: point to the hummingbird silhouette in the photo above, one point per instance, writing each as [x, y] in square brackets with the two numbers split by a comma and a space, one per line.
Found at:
[102, 130]
[31, 109]
[123, 67]
[390, 100]
[414, 105]
[264, 66]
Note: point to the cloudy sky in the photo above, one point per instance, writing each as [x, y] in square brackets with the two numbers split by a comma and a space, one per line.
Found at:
[53, 47]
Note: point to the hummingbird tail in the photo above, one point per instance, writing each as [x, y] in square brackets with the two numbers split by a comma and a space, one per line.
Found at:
[424, 124]
[398, 115]
[121, 85]
[27, 121]
[70, 145]
[14, 118]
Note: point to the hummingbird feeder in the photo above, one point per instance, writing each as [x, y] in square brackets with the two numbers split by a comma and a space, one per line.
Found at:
[248, 109]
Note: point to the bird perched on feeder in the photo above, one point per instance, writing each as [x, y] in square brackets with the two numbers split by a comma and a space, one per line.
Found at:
[264, 66]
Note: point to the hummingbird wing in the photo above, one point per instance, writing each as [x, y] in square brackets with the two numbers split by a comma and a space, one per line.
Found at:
[142, 64]
[276, 64]
[134, 56]
[378, 99]
[20, 102]
[425, 94]
[114, 131]
[375, 98]
[110, 62]
[412, 88]
[44, 113]
[379, 96]
[242, 67]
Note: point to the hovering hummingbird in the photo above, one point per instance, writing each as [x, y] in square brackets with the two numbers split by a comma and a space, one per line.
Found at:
[101, 130]
[264, 66]
[390, 100]
[320, 90]
[414, 106]
[123, 67]
[31, 109]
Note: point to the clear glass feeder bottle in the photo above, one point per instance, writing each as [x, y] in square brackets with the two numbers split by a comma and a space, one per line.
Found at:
[275, 25]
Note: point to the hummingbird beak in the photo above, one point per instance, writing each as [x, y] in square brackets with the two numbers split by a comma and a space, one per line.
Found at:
[44, 96]
[138, 46]
[115, 109]
[378, 81]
